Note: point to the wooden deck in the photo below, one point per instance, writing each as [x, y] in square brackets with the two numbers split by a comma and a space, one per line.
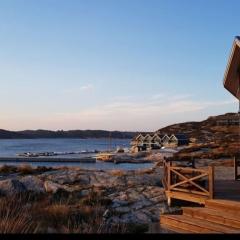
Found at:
[186, 183]
[217, 216]
[219, 212]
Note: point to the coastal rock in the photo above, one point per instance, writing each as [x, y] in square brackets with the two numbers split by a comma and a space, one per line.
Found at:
[83, 179]
[123, 197]
[141, 204]
[85, 192]
[33, 183]
[123, 209]
[142, 180]
[53, 187]
[11, 186]
[133, 195]
[135, 217]
[142, 218]
[118, 203]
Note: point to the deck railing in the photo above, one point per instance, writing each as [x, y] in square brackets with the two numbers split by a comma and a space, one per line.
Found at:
[189, 180]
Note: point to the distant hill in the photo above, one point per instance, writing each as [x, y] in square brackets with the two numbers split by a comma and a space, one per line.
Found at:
[31, 134]
[214, 133]
[213, 128]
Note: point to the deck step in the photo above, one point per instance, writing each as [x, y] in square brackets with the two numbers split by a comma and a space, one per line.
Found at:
[187, 196]
[226, 206]
[157, 228]
[173, 229]
[213, 215]
[195, 225]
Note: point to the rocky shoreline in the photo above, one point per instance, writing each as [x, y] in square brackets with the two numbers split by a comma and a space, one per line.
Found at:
[132, 197]
[125, 197]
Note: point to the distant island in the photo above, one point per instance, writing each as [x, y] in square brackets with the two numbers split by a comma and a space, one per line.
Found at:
[32, 134]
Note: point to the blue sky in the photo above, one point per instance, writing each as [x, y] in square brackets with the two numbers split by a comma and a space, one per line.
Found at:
[114, 64]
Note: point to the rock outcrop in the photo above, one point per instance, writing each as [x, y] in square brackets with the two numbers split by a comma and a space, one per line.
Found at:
[11, 186]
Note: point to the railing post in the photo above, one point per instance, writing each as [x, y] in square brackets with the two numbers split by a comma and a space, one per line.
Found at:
[236, 163]
[193, 162]
[235, 167]
[169, 181]
[165, 173]
[169, 174]
[211, 181]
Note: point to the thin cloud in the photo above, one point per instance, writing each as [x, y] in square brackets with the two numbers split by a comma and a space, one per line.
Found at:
[135, 114]
[158, 96]
[84, 88]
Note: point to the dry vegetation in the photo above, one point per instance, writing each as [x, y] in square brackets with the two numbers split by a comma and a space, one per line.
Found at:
[43, 214]
[15, 217]
[117, 173]
[23, 169]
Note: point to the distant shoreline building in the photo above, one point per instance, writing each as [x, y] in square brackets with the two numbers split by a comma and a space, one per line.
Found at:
[229, 120]
[156, 141]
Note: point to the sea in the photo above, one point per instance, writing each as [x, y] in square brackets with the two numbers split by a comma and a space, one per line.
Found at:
[77, 148]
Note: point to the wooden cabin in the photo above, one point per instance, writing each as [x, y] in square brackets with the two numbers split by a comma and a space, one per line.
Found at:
[147, 142]
[156, 141]
[137, 143]
[165, 140]
[176, 140]
[137, 140]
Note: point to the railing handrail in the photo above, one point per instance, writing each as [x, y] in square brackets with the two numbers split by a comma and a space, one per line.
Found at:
[190, 169]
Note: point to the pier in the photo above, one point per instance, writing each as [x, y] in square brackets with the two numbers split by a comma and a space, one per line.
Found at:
[48, 159]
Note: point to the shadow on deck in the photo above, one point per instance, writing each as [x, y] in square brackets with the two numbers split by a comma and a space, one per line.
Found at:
[227, 189]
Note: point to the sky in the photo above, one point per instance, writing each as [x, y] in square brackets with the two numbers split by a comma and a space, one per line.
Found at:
[133, 65]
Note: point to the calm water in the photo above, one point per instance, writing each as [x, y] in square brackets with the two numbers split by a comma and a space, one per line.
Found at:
[9, 148]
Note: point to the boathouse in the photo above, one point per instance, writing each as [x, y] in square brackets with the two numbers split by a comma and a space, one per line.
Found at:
[156, 141]
[178, 140]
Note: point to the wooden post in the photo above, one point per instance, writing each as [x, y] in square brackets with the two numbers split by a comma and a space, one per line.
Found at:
[169, 182]
[168, 175]
[169, 201]
[193, 162]
[211, 181]
[235, 168]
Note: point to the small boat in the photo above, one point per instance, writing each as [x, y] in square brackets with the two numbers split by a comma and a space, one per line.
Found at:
[105, 156]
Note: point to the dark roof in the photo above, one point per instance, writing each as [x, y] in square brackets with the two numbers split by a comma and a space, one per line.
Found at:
[231, 79]
[181, 136]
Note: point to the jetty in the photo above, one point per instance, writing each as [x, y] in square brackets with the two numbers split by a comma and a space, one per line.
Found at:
[47, 159]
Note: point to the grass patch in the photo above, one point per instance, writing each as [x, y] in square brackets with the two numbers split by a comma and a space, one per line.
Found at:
[23, 214]
[8, 169]
[95, 199]
[15, 217]
[25, 169]
[117, 173]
